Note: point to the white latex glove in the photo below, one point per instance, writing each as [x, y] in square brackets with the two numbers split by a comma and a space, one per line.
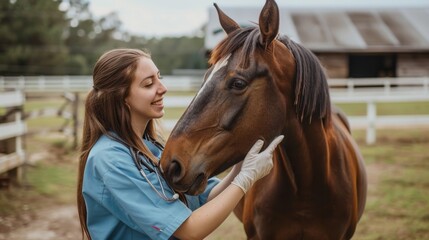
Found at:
[256, 165]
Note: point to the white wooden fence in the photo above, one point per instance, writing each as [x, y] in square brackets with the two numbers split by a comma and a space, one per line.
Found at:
[193, 83]
[84, 83]
[12, 129]
[381, 90]
[368, 91]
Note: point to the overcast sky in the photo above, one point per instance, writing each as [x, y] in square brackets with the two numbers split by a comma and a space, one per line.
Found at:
[182, 17]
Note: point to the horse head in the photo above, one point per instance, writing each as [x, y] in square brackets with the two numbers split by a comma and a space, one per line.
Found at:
[248, 93]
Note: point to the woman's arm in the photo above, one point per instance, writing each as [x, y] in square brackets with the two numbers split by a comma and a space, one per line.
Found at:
[225, 182]
[208, 217]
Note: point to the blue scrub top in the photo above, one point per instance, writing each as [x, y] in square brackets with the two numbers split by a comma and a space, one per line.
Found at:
[122, 205]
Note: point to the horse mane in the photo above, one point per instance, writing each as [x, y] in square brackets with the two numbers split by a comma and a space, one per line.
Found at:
[311, 86]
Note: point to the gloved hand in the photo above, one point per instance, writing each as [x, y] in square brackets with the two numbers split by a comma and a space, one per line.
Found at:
[256, 164]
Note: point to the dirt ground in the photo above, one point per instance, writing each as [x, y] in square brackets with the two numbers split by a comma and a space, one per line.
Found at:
[54, 222]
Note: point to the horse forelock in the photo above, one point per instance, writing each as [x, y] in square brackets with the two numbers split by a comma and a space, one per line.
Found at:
[246, 38]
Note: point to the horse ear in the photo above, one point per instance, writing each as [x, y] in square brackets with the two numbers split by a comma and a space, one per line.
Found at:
[226, 22]
[269, 22]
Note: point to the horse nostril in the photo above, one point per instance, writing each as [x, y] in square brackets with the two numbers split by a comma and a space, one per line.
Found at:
[175, 171]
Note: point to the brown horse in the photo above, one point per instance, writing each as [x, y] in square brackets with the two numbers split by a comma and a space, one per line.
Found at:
[260, 85]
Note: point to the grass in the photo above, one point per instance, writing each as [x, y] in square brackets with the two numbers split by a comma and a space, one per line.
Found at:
[401, 108]
[397, 207]
[54, 181]
[398, 171]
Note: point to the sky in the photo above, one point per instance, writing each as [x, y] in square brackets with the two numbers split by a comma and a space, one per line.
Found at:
[159, 18]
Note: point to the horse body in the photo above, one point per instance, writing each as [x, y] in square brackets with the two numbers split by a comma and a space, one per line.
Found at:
[309, 194]
[258, 87]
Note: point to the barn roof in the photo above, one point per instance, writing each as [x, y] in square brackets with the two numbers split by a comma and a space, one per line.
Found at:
[339, 30]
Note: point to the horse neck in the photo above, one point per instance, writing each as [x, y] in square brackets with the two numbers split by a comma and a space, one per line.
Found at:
[304, 155]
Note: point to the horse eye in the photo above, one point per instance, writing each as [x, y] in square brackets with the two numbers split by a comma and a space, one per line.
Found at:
[238, 84]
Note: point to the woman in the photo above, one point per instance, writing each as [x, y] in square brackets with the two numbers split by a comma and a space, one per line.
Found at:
[115, 199]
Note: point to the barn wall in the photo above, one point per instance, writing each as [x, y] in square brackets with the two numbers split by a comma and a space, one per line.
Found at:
[412, 65]
[336, 64]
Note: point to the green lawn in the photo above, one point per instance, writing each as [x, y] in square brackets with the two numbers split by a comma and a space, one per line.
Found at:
[402, 108]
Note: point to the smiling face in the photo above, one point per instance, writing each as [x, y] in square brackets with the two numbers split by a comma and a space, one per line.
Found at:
[145, 99]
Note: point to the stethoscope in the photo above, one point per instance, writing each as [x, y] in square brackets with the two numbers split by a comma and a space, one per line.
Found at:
[140, 159]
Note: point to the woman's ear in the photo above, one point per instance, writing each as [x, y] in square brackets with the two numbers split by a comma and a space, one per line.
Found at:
[126, 104]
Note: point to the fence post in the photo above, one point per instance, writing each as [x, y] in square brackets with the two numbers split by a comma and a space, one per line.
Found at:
[371, 112]
[426, 85]
[66, 82]
[16, 174]
[21, 83]
[12, 155]
[41, 82]
[350, 86]
[18, 140]
[386, 86]
[75, 119]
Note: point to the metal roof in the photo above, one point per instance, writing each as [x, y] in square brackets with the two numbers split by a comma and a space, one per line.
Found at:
[339, 30]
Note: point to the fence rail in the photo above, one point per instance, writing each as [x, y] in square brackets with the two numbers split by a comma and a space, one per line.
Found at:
[84, 83]
[369, 91]
[193, 83]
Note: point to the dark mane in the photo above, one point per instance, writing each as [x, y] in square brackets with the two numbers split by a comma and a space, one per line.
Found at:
[311, 87]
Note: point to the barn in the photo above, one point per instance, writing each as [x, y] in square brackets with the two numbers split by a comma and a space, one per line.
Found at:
[350, 42]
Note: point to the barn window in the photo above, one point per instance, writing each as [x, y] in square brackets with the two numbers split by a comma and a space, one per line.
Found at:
[372, 65]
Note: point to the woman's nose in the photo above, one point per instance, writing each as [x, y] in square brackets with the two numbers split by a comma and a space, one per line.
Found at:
[162, 89]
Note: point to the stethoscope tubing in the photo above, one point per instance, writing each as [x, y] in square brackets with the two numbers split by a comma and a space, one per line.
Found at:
[138, 162]
[135, 155]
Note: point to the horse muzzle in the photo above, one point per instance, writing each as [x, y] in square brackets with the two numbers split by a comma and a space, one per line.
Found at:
[183, 180]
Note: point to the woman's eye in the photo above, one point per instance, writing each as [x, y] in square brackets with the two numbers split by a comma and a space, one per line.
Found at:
[238, 84]
[147, 84]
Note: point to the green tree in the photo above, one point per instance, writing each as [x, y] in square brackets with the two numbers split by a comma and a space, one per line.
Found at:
[171, 53]
[87, 38]
[31, 42]
[57, 37]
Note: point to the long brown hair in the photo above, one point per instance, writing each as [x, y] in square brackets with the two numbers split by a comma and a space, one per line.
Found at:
[106, 112]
